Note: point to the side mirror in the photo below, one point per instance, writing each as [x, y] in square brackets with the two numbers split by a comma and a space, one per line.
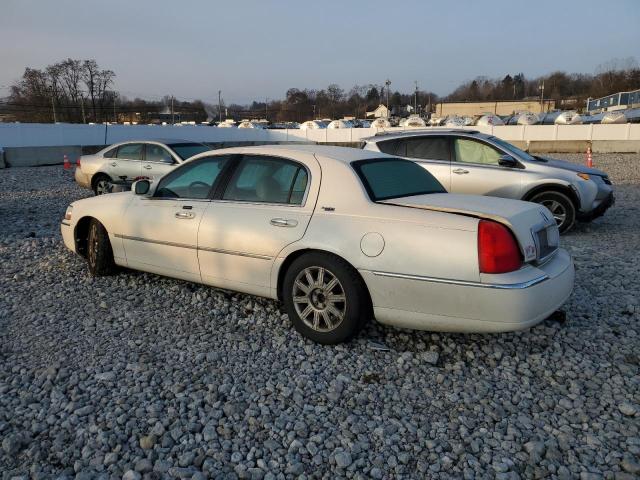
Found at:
[507, 161]
[141, 187]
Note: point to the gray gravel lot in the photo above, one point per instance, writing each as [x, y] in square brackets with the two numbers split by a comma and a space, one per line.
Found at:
[138, 376]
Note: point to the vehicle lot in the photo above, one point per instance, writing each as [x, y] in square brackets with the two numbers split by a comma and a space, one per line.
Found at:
[146, 373]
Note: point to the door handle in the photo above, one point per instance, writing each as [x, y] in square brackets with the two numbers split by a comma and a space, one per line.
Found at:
[460, 171]
[283, 222]
[148, 167]
[185, 215]
[114, 164]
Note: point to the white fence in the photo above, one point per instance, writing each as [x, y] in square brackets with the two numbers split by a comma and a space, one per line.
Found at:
[48, 135]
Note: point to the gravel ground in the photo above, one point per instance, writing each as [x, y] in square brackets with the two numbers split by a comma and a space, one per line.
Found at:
[137, 376]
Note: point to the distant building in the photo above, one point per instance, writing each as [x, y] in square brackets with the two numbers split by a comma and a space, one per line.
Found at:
[381, 112]
[617, 101]
[497, 108]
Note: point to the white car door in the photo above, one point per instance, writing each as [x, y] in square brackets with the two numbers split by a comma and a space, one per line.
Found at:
[264, 207]
[160, 232]
[126, 164]
[157, 162]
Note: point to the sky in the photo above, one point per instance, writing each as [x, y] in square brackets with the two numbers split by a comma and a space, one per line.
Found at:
[257, 49]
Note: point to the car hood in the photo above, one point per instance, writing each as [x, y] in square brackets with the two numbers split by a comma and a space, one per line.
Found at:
[522, 218]
[573, 167]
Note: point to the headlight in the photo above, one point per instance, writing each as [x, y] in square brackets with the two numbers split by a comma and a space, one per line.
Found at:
[67, 214]
[584, 176]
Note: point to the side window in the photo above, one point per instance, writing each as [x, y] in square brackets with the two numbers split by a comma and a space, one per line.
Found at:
[155, 153]
[471, 151]
[111, 153]
[130, 151]
[267, 180]
[193, 180]
[388, 147]
[436, 148]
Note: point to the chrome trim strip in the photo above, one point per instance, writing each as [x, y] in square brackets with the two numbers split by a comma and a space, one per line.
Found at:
[233, 252]
[192, 247]
[65, 223]
[448, 281]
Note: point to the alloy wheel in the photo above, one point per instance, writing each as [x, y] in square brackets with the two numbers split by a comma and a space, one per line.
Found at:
[102, 187]
[557, 210]
[319, 299]
[92, 253]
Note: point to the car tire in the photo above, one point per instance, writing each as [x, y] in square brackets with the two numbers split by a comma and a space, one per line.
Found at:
[313, 300]
[100, 184]
[99, 252]
[560, 206]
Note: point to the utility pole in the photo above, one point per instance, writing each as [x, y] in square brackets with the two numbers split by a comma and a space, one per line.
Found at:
[84, 119]
[115, 118]
[220, 105]
[266, 112]
[416, 101]
[388, 84]
[172, 114]
[53, 106]
[314, 112]
[541, 88]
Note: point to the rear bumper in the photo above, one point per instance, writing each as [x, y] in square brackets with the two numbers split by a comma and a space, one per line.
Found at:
[599, 209]
[501, 303]
[82, 179]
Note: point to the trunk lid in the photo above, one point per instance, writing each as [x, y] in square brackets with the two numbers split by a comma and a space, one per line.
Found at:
[532, 224]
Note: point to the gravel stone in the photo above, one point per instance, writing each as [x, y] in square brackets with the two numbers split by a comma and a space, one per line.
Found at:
[343, 459]
[100, 377]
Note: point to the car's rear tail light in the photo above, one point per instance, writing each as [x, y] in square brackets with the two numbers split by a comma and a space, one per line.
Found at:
[78, 162]
[498, 250]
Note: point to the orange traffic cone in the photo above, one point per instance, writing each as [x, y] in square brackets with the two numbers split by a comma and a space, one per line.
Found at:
[589, 157]
[66, 163]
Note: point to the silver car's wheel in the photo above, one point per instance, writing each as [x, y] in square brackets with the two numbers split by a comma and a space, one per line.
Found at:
[561, 208]
[101, 185]
[557, 210]
[319, 299]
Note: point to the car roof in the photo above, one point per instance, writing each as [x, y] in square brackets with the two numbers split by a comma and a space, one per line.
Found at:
[340, 154]
[422, 132]
[165, 141]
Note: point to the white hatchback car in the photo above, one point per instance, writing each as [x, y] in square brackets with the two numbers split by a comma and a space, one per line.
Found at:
[339, 235]
[126, 162]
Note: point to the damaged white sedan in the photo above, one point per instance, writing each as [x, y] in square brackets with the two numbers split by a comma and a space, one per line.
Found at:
[339, 235]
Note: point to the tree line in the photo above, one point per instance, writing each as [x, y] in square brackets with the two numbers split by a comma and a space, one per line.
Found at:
[79, 91]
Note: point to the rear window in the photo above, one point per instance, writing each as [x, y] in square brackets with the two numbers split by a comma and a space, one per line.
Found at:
[188, 150]
[388, 178]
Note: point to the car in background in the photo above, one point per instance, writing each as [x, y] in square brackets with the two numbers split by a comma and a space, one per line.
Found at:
[125, 162]
[470, 162]
[339, 235]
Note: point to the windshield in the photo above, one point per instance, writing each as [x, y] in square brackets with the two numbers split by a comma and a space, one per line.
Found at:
[388, 178]
[188, 150]
[513, 149]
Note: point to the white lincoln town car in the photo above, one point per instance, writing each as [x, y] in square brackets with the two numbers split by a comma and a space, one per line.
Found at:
[338, 235]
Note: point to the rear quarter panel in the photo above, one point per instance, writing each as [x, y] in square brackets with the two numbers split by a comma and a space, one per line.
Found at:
[416, 242]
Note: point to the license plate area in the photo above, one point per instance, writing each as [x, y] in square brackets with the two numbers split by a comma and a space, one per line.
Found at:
[547, 240]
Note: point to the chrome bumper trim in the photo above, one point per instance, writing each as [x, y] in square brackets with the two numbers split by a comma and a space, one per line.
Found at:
[500, 286]
[66, 224]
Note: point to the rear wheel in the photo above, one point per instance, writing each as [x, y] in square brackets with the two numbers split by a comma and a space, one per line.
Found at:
[560, 206]
[325, 298]
[99, 252]
[101, 184]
